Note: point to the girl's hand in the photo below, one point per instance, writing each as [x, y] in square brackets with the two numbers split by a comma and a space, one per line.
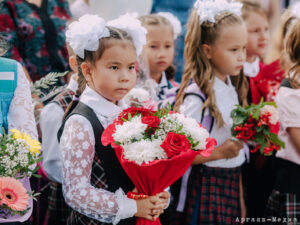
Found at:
[149, 208]
[164, 198]
[230, 149]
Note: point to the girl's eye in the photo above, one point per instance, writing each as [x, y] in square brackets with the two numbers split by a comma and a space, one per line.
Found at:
[114, 67]
[152, 46]
[168, 46]
[131, 67]
[234, 49]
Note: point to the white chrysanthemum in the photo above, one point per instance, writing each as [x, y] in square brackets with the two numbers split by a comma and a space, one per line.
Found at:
[85, 33]
[272, 110]
[174, 22]
[130, 130]
[133, 27]
[209, 9]
[138, 94]
[190, 128]
[144, 151]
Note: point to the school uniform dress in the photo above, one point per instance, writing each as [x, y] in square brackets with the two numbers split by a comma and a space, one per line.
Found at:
[17, 114]
[284, 201]
[94, 183]
[213, 193]
[51, 120]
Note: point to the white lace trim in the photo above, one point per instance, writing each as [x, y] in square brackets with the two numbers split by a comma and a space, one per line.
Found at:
[127, 207]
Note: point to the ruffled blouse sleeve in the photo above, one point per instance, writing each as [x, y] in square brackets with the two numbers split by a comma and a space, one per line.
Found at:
[20, 115]
[288, 102]
[77, 147]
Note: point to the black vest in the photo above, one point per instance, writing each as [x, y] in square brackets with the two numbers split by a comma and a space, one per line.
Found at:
[107, 172]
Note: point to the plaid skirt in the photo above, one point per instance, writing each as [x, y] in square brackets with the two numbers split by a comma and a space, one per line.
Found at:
[283, 208]
[58, 210]
[213, 196]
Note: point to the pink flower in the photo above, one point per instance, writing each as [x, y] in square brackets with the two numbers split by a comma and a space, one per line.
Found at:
[13, 194]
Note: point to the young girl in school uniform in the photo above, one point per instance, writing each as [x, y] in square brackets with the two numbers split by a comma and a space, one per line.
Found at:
[258, 35]
[215, 49]
[16, 113]
[284, 201]
[159, 49]
[93, 179]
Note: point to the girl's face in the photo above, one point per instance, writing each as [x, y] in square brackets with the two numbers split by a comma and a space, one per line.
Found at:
[258, 35]
[159, 49]
[228, 53]
[113, 75]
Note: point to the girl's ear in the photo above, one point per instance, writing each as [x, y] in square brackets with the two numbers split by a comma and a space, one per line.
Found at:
[207, 49]
[86, 70]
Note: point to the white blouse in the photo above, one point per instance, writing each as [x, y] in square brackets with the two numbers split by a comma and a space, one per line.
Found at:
[50, 121]
[20, 114]
[226, 99]
[288, 102]
[251, 69]
[78, 148]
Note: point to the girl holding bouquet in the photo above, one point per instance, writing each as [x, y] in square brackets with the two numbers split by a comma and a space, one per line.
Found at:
[16, 112]
[93, 179]
[214, 49]
[284, 200]
[159, 49]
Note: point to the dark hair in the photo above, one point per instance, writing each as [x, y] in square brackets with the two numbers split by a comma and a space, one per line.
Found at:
[92, 57]
[157, 20]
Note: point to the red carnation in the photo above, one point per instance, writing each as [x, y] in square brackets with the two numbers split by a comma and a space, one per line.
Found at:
[174, 144]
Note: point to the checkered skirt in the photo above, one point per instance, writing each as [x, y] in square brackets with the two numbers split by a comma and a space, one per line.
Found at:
[58, 210]
[213, 196]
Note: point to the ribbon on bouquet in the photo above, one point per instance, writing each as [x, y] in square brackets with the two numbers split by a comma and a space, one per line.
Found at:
[136, 196]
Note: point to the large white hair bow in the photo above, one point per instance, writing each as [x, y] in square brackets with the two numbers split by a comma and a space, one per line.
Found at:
[208, 9]
[174, 22]
[130, 24]
[85, 33]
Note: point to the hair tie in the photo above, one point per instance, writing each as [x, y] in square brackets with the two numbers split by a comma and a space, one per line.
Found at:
[208, 9]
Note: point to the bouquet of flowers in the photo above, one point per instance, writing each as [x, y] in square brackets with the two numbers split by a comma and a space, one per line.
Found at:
[257, 125]
[155, 148]
[18, 158]
[139, 97]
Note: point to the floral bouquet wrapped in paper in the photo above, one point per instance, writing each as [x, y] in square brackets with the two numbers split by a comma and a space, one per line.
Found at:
[257, 125]
[19, 156]
[155, 148]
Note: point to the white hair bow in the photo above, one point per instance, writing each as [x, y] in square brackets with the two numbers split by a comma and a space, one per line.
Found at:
[130, 24]
[208, 9]
[85, 33]
[174, 22]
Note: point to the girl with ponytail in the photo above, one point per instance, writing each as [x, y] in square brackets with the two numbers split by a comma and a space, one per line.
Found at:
[214, 52]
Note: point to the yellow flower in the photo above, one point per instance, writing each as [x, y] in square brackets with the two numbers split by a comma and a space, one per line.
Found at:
[16, 134]
[34, 145]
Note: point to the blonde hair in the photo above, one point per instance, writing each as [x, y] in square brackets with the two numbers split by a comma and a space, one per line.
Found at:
[250, 6]
[92, 57]
[198, 66]
[292, 46]
[157, 20]
[277, 45]
[3, 46]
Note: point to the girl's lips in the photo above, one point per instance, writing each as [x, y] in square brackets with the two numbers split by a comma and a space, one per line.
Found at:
[262, 45]
[161, 63]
